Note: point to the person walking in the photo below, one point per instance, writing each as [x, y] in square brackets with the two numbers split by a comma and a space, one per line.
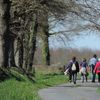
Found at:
[92, 63]
[73, 70]
[97, 69]
[83, 70]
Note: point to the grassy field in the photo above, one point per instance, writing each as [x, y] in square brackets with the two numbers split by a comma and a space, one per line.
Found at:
[24, 89]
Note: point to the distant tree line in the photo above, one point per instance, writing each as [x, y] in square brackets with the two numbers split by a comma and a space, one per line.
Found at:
[63, 55]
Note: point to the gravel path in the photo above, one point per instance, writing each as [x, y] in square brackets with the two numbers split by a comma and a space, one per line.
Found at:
[69, 91]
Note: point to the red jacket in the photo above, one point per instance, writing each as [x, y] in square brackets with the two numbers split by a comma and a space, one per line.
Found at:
[97, 67]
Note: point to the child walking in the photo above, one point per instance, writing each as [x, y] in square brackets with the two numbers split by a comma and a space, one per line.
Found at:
[83, 70]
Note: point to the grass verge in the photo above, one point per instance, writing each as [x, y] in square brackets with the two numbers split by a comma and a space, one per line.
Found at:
[24, 89]
[98, 90]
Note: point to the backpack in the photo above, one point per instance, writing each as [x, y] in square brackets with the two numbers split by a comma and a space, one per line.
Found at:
[73, 67]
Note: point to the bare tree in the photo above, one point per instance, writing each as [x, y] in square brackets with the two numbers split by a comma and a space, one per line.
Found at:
[7, 37]
[45, 9]
[54, 13]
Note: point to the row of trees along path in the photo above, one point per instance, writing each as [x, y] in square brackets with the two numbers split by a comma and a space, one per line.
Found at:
[25, 22]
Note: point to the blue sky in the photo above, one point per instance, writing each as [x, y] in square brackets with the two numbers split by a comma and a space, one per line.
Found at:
[91, 41]
[88, 41]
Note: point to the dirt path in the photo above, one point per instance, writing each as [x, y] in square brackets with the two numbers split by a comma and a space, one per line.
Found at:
[69, 91]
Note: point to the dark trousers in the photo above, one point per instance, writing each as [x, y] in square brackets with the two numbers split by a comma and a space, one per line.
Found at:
[99, 77]
[73, 77]
[93, 74]
[70, 77]
[93, 77]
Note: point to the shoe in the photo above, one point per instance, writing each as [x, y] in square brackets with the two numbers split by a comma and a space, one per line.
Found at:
[93, 81]
[74, 82]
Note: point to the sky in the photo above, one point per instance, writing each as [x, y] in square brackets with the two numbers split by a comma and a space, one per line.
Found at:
[88, 41]
[92, 42]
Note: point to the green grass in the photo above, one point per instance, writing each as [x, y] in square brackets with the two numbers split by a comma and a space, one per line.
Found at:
[24, 89]
[98, 90]
[14, 90]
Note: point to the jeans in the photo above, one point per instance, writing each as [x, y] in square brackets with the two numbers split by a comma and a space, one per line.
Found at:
[74, 77]
[93, 74]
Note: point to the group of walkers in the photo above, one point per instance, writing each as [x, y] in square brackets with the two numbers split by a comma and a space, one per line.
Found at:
[84, 67]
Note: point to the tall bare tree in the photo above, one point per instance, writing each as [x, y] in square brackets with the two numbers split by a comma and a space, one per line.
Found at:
[2, 25]
[7, 37]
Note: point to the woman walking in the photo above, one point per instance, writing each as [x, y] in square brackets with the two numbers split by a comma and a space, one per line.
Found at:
[97, 69]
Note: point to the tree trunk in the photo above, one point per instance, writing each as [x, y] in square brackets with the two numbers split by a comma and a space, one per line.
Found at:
[1, 51]
[21, 51]
[26, 52]
[32, 44]
[6, 49]
[45, 51]
[5, 38]
[9, 37]
[44, 34]
[5, 18]
[2, 30]
[11, 53]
